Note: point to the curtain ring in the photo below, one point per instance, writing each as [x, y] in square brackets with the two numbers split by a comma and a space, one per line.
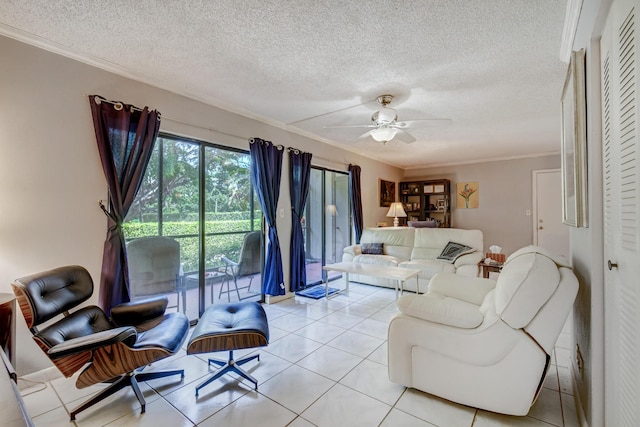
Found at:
[97, 100]
[118, 106]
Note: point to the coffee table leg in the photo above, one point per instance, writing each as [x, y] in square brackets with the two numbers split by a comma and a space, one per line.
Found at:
[347, 279]
[326, 285]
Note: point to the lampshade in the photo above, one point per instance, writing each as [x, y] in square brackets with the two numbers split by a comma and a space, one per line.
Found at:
[384, 134]
[396, 210]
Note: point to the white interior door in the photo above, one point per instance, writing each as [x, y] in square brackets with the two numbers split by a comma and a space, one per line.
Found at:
[548, 229]
[619, 61]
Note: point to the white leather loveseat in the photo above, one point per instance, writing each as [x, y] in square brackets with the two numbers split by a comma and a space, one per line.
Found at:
[416, 248]
[480, 342]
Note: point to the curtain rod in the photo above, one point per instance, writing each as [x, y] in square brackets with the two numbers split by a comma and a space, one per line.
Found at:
[116, 104]
[210, 129]
[119, 105]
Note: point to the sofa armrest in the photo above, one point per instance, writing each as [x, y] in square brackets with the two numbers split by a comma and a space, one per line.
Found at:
[350, 252]
[125, 334]
[440, 309]
[469, 289]
[472, 258]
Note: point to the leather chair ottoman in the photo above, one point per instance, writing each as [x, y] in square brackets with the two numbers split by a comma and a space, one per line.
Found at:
[229, 327]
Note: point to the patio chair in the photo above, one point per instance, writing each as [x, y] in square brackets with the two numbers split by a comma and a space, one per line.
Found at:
[248, 265]
[154, 269]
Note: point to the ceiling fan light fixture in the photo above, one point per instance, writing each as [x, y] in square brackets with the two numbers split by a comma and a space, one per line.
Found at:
[384, 134]
[386, 115]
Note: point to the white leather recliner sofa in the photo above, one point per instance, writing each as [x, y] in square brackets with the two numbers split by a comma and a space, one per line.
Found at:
[419, 248]
[480, 342]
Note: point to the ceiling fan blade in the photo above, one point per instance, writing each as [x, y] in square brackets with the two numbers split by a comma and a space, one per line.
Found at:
[365, 135]
[330, 112]
[349, 126]
[404, 136]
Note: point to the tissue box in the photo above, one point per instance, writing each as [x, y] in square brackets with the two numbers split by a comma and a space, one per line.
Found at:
[496, 257]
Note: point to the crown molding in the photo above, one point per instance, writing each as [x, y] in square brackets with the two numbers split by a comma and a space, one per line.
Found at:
[493, 159]
[571, 18]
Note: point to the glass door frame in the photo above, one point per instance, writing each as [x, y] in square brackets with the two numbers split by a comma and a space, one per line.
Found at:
[324, 223]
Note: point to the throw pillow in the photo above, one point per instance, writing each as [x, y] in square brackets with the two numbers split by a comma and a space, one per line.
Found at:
[453, 250]
[372, 248]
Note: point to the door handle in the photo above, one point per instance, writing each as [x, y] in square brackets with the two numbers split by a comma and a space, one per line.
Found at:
[612, 265]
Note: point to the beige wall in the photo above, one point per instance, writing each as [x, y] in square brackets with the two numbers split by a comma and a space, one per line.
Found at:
[505, 194]
[50, 173]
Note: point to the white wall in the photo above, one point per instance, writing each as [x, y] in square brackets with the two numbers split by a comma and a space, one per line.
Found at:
[505, 191]
[587, 253]
[50, 173]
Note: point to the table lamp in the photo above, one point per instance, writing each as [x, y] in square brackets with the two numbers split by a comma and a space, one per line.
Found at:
[396, 210]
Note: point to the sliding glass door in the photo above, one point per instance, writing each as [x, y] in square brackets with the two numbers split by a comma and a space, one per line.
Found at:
[200, 195]
[327, 222]
[232, 228]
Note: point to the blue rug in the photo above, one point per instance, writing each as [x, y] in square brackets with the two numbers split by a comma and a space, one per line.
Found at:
[316, 292]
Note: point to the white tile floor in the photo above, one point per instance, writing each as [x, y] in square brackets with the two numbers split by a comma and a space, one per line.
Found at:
[325, 366]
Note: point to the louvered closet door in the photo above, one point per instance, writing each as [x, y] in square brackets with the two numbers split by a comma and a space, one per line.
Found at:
[620, 59]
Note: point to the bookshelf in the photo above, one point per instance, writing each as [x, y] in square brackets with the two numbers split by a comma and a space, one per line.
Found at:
[427, 199]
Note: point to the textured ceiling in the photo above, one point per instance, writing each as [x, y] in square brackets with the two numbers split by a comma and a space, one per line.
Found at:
[491, 66]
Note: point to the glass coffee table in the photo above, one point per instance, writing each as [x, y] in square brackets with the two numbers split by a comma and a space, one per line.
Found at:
[400, 275]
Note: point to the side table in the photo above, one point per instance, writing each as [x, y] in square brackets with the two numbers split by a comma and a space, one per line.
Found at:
[489, 268]
[210, 278]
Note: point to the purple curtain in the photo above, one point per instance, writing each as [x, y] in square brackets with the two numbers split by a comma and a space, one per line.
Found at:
[356, 200]
[125, 136]
[299, 174]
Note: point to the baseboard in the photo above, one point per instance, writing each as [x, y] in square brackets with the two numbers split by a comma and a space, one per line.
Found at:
[580, 412]
[46, 374]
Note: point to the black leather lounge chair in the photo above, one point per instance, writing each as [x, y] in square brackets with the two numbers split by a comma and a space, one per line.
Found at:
[111, 349]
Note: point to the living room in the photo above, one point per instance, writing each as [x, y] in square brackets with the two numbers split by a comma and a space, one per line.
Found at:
[52, 181]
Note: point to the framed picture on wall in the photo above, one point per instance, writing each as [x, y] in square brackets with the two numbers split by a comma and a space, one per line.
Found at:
[467, 195]
[387, 193]
[574, 144]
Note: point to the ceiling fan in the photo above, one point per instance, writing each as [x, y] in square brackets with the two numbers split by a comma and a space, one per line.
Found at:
[385, 125]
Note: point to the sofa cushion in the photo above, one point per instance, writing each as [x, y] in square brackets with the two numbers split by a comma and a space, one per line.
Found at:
[524, 285]
[440, 309]
[372, 248]
[390, 236]
[453, 250]
[386, 260]
[398, 242]
[429, 242]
